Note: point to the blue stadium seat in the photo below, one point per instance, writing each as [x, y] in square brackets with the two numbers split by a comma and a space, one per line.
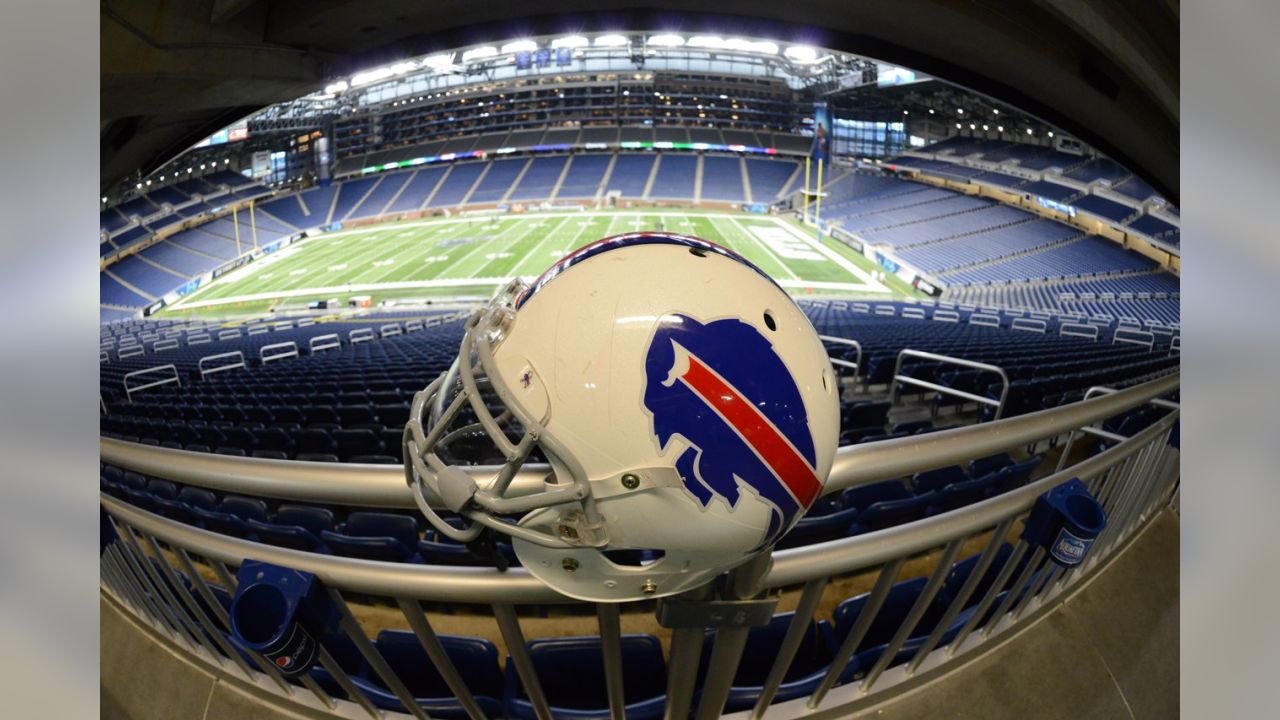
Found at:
[375, 536]
[810, 664]
[475, 659]
[295, 526]
[819, 528]
[931, 480]
[864, 496]
[892, 512]
[571, 672]
[897, 605]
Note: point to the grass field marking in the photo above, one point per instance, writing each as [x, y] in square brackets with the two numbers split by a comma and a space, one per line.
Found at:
[412, 268]
[830, 254]
[557, 252]
[515, 252]
[415, 244]
[754, 242]
[459, 268]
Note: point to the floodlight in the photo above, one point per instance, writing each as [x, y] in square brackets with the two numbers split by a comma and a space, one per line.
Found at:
[757, 46]
[611, 40]
[570, 41]
[666, 40]
[439, 62]
[803, 54]
[480, 53]
[706, 41]
[519, 46]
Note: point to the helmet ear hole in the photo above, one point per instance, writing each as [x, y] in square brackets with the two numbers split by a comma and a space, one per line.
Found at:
[769, 322]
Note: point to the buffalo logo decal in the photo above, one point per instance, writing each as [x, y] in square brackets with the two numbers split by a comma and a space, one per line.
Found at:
[724, 390]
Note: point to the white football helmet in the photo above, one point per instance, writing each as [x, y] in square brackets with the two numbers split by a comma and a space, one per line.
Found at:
[684, 403]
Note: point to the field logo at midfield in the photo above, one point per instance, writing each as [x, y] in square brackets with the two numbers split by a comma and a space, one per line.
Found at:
[722, 388]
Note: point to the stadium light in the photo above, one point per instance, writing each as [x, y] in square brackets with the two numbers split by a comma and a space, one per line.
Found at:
[706, 41]
[519, 46]
[480, 53]
[336, 87]
[1050, 133]
[995, 110]
[439, 62]
[757, 46]
[957, 126]
[612, 40]
[972, 126]
[999, 128]
[139, 186]
[666, 40]
[803, 54]
[1029, 131]
[930, 111]
[906, 112]
[104, 199]
[570, 41]
[984, 127]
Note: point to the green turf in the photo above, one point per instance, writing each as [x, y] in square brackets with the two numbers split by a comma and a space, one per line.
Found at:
[439, 257]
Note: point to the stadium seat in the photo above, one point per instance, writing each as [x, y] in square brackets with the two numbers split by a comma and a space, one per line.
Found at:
[989, 464]
[864, 496]
[475, 659]
[820, 528]
[897, 605]
[295, 526]
[810, 664]
[931, 480]
[889, 513]
[571, 672]
[375, 536]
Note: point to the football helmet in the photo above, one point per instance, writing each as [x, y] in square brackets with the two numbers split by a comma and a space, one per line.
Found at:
[684, 404]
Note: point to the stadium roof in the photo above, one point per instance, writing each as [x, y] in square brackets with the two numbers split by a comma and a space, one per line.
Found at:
[172, 74]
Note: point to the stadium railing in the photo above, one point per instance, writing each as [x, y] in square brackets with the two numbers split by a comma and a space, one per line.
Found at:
[150, 570]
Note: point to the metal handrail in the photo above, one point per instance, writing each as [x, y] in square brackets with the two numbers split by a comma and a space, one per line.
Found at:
[515, 585]
[1141, 338]
[1096, 431]
[383, 485]
[1029, 325]
[856, 364]
[899, 377]
[288, 349]
[360, 335]
[236, 355]
[1079, 330]
[984, 320]
[324, 342]
[130, 390]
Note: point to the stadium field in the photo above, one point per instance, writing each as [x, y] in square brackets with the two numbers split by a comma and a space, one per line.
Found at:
[471, 255]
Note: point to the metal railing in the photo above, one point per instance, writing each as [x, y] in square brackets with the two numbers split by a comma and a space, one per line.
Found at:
[1079, 330]
[235, 360]
[1141, 338]
[158, 570]
[324, 342]
[856, 365]
[277, 351]
[170, 377]
[898, 377]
